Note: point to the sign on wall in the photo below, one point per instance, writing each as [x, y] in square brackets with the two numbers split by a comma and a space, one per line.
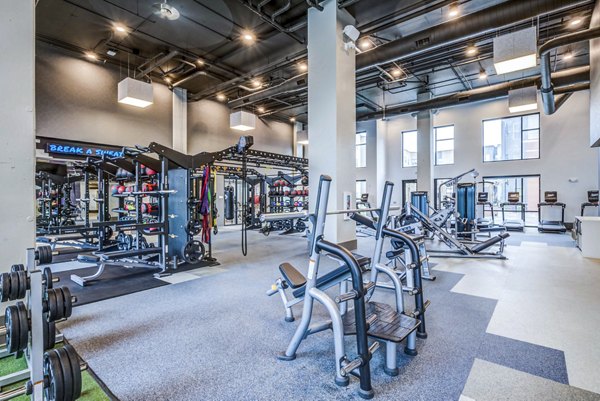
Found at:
[81, 149]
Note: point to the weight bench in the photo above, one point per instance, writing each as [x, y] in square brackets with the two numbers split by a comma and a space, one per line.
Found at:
[122, 257]
[295, 280]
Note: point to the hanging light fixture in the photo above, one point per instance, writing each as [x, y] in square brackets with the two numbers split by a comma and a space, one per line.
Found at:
[242, 120]
[515, 51]
[135, 93]
[523, 99]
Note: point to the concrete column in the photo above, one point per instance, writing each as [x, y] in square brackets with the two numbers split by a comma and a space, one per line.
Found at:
[17, 136]
[425, 158]
[332, 114]
[381, 157]
[295, 128]
[180, 120]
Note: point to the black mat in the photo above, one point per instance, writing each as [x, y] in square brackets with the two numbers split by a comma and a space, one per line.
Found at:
[116, 281]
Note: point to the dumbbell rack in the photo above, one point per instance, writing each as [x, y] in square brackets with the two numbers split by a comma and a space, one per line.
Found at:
[40, 363]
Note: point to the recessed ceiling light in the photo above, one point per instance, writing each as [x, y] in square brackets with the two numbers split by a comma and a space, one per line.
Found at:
[260, 109]
[575, 21]
[302, 67]
[471, 50]
[453, 10]
[568, 55]
[292, 119]
[200, 62]
[365, 44]
[396, 72]
[168, 80]
[91, 55]
[256, 83]
[482, 74]
[221, 97]
[120, 28]
[248, 37]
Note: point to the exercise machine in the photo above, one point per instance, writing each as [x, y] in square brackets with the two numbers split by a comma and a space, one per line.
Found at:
[483, 201]
[592, 201]
[557, 224]
[344, 366]
[513, 201]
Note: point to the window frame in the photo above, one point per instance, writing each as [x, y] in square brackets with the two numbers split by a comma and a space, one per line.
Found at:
[539, 129]
[402, 145]
[356, 145]
[512, 176]
[441, 140]
[355, 185]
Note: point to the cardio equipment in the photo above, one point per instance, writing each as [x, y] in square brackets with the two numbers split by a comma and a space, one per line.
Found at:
[513, 201]
[551, 202]
[593, 198]
[483, 201]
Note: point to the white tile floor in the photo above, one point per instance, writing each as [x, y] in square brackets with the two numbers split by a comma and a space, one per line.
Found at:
[548, 297]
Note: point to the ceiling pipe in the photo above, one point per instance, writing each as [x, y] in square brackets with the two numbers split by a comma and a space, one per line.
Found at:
[161, 61]
[486, 20]
[266, 18]
[189, 77]
[315, 4]
[293, 84]
[547, 89]
[563, 78]
[280, 11]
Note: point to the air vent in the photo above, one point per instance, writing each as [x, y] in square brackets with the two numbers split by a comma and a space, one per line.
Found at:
[422, 42]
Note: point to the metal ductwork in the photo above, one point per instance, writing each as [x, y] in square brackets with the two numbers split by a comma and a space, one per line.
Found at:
[294, 84]
[189, 77]
[157, 63]
[481, 22]
[547, 89]
[570, 80]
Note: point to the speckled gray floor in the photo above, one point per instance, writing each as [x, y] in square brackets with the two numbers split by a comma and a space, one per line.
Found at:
[216, 338]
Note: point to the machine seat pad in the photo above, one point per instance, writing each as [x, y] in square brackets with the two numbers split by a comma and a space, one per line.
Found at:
[394, 254]
[83, 258]
[325, 281]
[292, 276]
[363, 261]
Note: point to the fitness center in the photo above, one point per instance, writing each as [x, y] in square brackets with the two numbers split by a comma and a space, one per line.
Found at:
[264, 200]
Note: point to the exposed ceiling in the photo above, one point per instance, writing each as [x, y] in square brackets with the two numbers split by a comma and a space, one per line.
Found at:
[204, 50]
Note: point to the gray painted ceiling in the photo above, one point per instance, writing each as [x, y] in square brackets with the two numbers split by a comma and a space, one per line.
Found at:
[211, 30]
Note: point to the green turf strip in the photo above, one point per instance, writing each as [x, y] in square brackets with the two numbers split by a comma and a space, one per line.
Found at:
[90, 390]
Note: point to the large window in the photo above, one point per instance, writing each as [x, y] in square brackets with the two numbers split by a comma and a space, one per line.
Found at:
[409, 149]
[511, 138]
[361, 149]
[529, 188]
[361, 188]
[444, 145]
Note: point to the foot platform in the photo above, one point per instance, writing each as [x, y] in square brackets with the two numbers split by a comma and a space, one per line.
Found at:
[389, 326]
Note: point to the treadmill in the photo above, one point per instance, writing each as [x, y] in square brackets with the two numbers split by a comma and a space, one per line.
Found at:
[551, 202]
[483, 201]
[593, 198]
[514, 202]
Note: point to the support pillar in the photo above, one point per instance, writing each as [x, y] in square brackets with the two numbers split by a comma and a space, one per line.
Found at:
[180, 120]
[332, 115]
[382, 169]
[17, 136]
[425, 157]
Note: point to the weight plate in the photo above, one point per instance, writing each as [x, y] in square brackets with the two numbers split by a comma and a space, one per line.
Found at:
[44, 254]
[48, 278]
[60, 304]
[193, 252]
[54, 391]
[16, 268]
[193, 227]
[11, 320]
[65, 364]
[24, 323]
[51, 305]
[68, 302]
[14, 286]
[23, 280]
[4, 286]
[76, 370]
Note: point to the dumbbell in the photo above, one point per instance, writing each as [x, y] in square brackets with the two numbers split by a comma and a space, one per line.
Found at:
[14, 285]
[62, 377]
[17, 327]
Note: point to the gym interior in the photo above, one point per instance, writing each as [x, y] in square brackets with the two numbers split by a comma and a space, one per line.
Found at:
[300, 200]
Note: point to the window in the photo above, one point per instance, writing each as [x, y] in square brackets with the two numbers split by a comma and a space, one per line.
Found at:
[511, 138]
[361, 188]
[409, 149]
[440, 194]
[444, 145]
[529, 188]
[361, 149]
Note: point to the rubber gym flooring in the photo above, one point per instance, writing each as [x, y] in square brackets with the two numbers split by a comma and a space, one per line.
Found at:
[521, 329]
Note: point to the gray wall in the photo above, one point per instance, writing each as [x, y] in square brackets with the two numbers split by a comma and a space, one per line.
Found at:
[564, 153]
[369, 173]
[77, 99]
[208, 130]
